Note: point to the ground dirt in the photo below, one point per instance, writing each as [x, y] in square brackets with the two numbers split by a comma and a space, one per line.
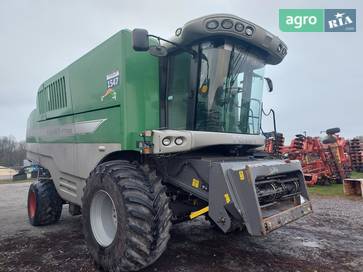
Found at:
[329, 240]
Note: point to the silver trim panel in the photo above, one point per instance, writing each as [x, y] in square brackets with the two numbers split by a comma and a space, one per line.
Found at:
[66, 130]
[69, 164]
[198, 139]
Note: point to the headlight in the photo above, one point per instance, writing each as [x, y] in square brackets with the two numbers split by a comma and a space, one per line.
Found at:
[212, 24]
[227, 24]
[279, 49]
[249, 31]
[239, 27]
[166, 141]
[178, 31]
[179, 141]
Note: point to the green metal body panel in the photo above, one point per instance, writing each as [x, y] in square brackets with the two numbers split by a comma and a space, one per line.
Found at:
[132, 108]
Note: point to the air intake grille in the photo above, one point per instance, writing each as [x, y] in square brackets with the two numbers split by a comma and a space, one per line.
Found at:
[53, 96]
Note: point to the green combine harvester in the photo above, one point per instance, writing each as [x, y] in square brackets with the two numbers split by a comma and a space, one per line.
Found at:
[143, 132]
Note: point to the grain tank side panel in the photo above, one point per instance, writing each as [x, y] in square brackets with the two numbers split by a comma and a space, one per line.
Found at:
[89, 77]
[97, 105]
[136, 93]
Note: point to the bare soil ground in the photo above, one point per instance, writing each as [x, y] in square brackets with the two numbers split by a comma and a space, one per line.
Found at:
[329, 240]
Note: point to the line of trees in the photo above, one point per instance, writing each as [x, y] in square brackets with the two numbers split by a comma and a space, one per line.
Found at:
[12, 152]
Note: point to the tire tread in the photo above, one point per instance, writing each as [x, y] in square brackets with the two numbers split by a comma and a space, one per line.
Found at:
[147, 211]
[49, 203]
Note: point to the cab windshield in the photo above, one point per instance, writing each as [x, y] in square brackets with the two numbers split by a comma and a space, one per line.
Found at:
[229, 91]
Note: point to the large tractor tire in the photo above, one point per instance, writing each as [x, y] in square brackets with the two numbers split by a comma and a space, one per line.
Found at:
[332, 131]
[44, 203]
[126, 216]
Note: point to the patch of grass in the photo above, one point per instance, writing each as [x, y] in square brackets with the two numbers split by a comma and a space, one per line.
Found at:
[327, 190]
[9, 181]
[356, 175]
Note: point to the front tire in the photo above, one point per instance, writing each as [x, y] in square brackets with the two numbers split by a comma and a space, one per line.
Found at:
[126, 216]
[44, 203]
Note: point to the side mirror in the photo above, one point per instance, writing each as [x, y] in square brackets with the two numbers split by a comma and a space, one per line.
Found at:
[269, 84]
[140, 39]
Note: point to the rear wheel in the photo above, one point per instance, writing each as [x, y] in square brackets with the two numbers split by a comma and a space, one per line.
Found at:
[44, 203]
[126, 216]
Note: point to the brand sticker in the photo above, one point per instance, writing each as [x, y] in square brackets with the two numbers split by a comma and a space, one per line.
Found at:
[112, 80]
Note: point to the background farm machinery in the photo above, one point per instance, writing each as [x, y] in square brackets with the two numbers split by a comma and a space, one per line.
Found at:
[324, 161]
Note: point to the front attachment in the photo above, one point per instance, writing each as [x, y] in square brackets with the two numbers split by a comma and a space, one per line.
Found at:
[262, 195]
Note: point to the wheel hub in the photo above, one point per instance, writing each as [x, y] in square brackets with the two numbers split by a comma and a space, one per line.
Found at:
[103, 218]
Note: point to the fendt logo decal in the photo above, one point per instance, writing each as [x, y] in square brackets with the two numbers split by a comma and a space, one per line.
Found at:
[112, 80]
[317, 20]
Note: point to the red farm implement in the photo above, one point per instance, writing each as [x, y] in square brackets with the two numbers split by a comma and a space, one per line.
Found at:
[356, 154]
[323, 162]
